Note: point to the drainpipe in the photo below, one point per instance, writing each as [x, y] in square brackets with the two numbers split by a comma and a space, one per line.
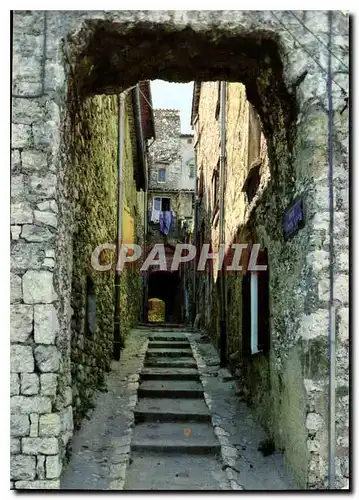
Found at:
[121, 147]
[331, 332]
[222, 176]
[144, 152]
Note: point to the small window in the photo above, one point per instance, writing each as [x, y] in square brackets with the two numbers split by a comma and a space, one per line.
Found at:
[191, 171]
[157, 203]
[189, 141]
[162, 175]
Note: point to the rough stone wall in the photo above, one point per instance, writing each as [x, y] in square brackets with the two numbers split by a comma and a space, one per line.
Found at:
[293, 407]
[93, 146]
[253, 47]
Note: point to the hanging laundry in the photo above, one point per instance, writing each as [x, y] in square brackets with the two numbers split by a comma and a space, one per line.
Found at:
[165, 222]
[156, 210]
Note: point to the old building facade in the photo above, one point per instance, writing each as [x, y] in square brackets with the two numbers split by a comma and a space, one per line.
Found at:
[282, 372]
[105, 52]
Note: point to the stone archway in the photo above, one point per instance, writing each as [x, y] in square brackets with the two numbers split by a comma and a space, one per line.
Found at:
[107, 52]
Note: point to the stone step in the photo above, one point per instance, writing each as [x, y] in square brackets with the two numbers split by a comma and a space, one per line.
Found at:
[175, 437]
[168, 345]
[171, 410]
[163, 373]
[170, 362]
[172, 353]
[161, 471]
[168, 337]
[170, 389]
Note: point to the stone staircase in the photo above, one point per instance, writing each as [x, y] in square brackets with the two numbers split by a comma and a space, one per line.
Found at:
[173, 444]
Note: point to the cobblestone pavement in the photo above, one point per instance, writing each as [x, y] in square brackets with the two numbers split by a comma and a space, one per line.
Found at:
[101, 449]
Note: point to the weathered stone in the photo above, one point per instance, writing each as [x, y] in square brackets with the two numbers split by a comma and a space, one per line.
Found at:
[38, 287]
[319, 260]
[27, 111]
[50, 425]
[38, 485]
[343, 330]
[15, 232]
[21, 320]
[36, 233]
[49, 263]
[15, 160]
[33, 404]
[46, 135]
[314, 325]
[48, 218]
[48, 384]
[50, 253]
[21, 136]
[46, 324]
[40, 445]
[33, 160]
[21, 213]
[19, 425]
[17, 188]
[14, 384]
[34, 425]
[341, 289]
[43, 187]
[40, 467]
[26, 256]
[15, 288]
[14, 446]
[22, 359]
[343, 261]
[29, 383]
[47, 358]
[22, 467]
[66, 419]
[314, 422]
[313, 445]
[53, 467]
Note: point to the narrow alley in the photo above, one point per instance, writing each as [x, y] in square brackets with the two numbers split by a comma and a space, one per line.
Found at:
[180, 268]
[171, 420]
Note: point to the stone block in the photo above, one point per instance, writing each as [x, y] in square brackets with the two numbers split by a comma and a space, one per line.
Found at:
[22, 467]
[14, 446]
[21, 322]
[38, 287]
[17, 188]
[46, 135]
[33, 233]
[48, 383]
[50, 425]
[66, 418]
[21, 136]
[43, 187]
[38, 485]
[40, 445]
[19, 425]
[15, 160]
[343, 261]
[27, 111]
[15, 232]
[40, 467]
[48, 218]
[34, 424]
[33, 160]
[46, 324]
[314, 422]
[26, 404]
[29, 383]
[21, 213]
[26, 256]
[14, 384]
[22, 359]
[47, 358]
[53, 467]
[15, 288]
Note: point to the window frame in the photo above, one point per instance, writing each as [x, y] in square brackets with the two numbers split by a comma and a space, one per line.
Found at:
[158, 175]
